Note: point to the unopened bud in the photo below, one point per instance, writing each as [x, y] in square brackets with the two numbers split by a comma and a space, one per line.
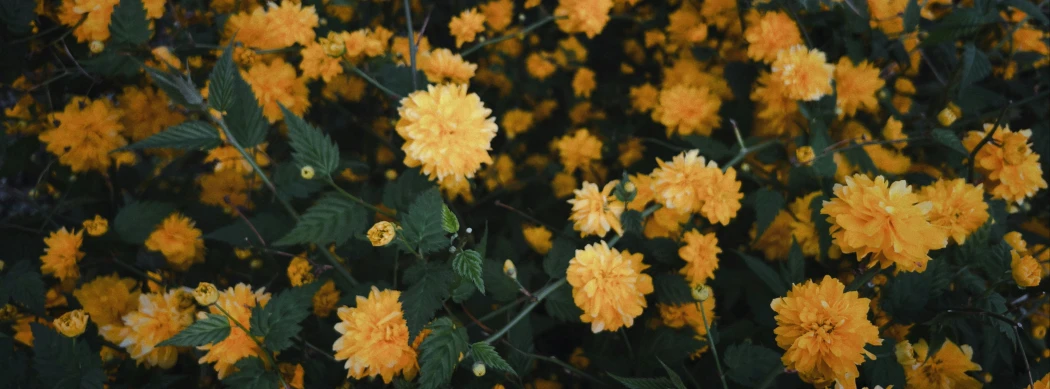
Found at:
[307, 172]
[206, 294]
[479, 369]
[510, 270]
[96, 46]
[949, 114]
[701, 293]
[256, 264]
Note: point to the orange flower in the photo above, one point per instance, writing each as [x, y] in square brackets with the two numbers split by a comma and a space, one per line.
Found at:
[805, 73]
[609, 286]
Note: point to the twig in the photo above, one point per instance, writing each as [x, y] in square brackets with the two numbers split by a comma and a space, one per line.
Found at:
[359, 201]
[246, 221]
[542, 294]
[475, 320]
[987, 137]
[370, 80]
[493, 41]
[500, 310]
[411, 43]
[711, 344]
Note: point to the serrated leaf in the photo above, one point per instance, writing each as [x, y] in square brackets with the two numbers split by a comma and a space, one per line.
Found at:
[823, 166]
[63, 362]
[767, 205]
[449, 221]
[421, 225]
[400, 194]
[975, 66]
[795, 270]
[644, 383]
[672, 289]
[1029, 8]
[310, 146]
[439, 353]
[675, 379]
[430, 287]
[884, 370]
[194, 135]
[485, 353]
[278, 321]
[961, 22]
[252, 374]
[556, 262]
[209, 330]
[948, 138]
[632, 221]
[333, 219]
[750, 364]
[710, 148]
[136, 221]
[560, 305]
[467, 264]
[23, 285]
[666, 344]
[128, 23]
[179, 88]
[764, 273]
[244, 116]
[464, 291]
[220, 81]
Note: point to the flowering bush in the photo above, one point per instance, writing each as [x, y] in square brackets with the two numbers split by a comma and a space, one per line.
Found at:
[524, 193]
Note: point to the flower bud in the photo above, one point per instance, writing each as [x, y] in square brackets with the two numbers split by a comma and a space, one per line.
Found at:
[382, 233]
[949, 114]
[510, 270]
[805, 155]
[206, 294]
[97, 226]
[307, 172]
[333, 45]
[242, 253]
[479, 369]
[96, 47]
[72, 323]
[256, 264]
[701, 293]
[390, 174]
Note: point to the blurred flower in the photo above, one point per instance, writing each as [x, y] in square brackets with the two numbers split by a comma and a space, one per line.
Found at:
[769, 34]
[97, 226]
[855, 87]
[466, 26]
[583, 83]
[594, 212]
[579, 150]
[441, 66]
[946, 368]
[805, 73]
[644, 97]
[516, 121]
[609, 286]
[586, 16]
[179, 241]
[538, 237]
[62, 254]
[688, 110]
[374, 338]
[325, 299]
[86, 133]
[107, 299]
[276, 84]
[300, 271]
[680, 315]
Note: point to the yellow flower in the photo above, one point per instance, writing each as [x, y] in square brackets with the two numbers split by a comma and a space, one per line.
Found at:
[72, 323]
[609, 286]
[805, 155]
[146, 111]
[278, 27]
[226, 157]
[300, 271]
[665, 223]
[206, 294]
[887, 15]
[770, 33]
[538, 66]
[892, 132]
[466, 26]
[374, 338]
[700, 254]
[883, 220]
[292, 374]
[325, 299]
[586, 16]
[107, 299]
[775, 241]
[594, 212]
[945, 369]
[579, 150]
[510, 270]
[382, 233]
[631, 151]
[159, 317]
[805, 73]
[333, 45]
[87, 131]
[62, 254]
[678, 184]
[516, 121]
[1011, 169]
[824, 332]
[644, 97]
[97, 226]
[318, 61]
[958, 208]
[722, 197]
[855, 87]
[680, 315]
[802, 228]
[563, 184]
[538, 237]
[90, 17]
[949, 114]
[498, 14]
[179, 241]
[276, 84]
[579, 360]
[228, 189]
[1025, 269]
[776, 112]
[238, 301]
[583, 82]
[447, 131]
[441, 65]
[688, 110]
[307, 172]
[685, 27]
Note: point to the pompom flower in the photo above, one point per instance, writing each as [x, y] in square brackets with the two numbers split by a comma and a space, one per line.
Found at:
[325, 299]
[883, 220]
[958, 208]
[87, 131]
[823, 331]
[447, 132]
[516, 121]
[586, 16]
[700, 254]
[179, 241]
[769, 34]
[687, 185]
[1025, 269]
[856, 86]
[441, 65]
[945, 369]
[805, 74]
[466, 26]
[538, 237]
[146, 111]
[609, 286]
[159, 317]
[374, 338]
[107, 299]
[594, 212]
[498, 14]
[238, 301]
[1010, 167]
[688, 110]
[579, 150]
[62, 254]
[276, 84]
[680, 315]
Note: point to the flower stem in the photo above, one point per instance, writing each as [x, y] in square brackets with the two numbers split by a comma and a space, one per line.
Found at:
[744, 151]
[711, 344]
[542, 294]
[370, 80]
[359, 200]
[411, 43]
[973, 154]
[493, 41]
[266, 353]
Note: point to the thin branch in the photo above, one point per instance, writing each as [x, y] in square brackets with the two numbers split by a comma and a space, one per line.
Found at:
[988, 137]
[493, 41]
[411, 43]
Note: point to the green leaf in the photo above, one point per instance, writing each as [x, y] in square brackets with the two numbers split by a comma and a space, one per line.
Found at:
[710, 148]
[764, 273]
[244, 116]
[128, 23]
[63, 362]
[220, 81]
[449, 221]
[557, 260]
[750, 364]
[767, 205]
[430, 287]
[18, 15]
[948, 138]
[961, 22]
[23, 285]
[1029, 8]
[179, 88]
[665, 344]
[209, 330]
[270, 225]
[439, 353]
[975, 66]
[421, 225]
[467, 264]
[675, 379]
[112, 62]
[396, 77]
[136, 221]
[911, 16]
[823, 227]
[560, 305]
[463, 291]
[823, 166]
[644, 383]
[498, 285]
[795, 271]
[310, 146]
[278, 321]
[401, 193]
[333, 219]
[672, 289]
[194, 135]
[252, 374]
[485, 353]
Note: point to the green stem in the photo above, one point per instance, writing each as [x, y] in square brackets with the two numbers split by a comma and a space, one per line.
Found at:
[711, 344]
[411, 43]
[370, 80]
[404, 243]
[987, 138]
[493, 41]
[744, 151]
[542, 294]
[499, 311]
[266, 353]
[359, 200]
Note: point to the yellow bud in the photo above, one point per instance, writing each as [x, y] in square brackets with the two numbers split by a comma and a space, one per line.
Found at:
[987, 378]
[479, 369]
[391, 174]
[805, 155]
[2, 265]
[242, 253]
[72, 323]
[96, 46]
[333, 45]
[382, 233]
[510, 270]
[97, 226]
[307, 172]
[701, 293]
[256, 264]
[460, 357]
[949, 114]
[905, 354]
[630, 187]
[206, 294]
[1039, 332]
